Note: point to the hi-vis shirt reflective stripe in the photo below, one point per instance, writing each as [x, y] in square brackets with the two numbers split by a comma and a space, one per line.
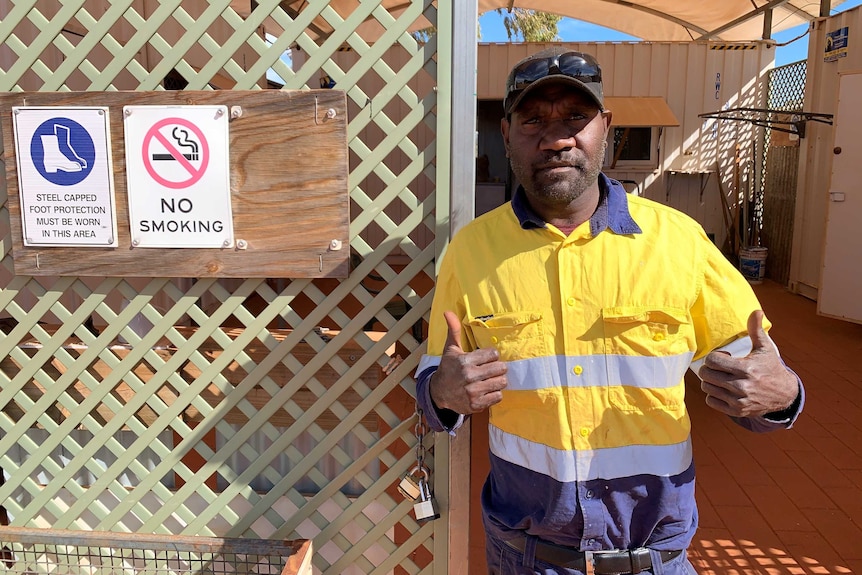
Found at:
[589, 464]
[598, 332]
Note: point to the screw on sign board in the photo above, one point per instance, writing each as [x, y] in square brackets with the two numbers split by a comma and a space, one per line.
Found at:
[177, 162]
[65, 179]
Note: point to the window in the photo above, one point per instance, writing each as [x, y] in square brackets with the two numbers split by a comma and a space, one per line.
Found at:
[632, 147]
[636, 125]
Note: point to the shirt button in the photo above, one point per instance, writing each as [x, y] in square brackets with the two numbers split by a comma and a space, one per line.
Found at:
[494, 340]
[584, 432]
[577, 370]
[570, 301]
[658, 337]
[589, 494]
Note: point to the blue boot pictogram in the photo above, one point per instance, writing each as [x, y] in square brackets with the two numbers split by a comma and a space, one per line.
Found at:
[59, 153]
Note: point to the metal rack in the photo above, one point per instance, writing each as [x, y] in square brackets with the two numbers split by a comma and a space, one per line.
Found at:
[792, 122]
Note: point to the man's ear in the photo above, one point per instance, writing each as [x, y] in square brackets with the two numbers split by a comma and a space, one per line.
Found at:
[504, 129]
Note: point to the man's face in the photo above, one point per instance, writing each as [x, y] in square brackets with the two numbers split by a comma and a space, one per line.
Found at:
[556, 141]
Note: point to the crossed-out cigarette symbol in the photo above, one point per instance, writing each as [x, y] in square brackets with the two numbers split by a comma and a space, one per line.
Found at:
[181, 137]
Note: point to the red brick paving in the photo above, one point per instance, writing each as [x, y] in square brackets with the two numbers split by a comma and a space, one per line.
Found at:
[789, 502]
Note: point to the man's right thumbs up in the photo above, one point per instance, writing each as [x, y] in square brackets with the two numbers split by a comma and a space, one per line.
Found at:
[453, 337]
[466, 382]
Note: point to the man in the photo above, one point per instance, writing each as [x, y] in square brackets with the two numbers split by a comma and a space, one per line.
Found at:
[573, 313]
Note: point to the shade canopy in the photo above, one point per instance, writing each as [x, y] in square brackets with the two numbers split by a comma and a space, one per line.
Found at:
[649, 20]
[640, 112]
[672, 20]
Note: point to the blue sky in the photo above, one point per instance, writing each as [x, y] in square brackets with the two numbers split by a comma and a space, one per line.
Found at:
[491, 25]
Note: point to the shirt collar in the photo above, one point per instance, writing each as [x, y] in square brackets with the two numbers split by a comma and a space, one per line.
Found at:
[612, 212]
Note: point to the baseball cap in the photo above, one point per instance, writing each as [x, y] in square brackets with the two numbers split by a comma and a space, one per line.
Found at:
[555, 64]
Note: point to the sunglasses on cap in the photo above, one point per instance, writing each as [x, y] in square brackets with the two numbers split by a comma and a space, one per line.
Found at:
[571, 64]
[576, 68]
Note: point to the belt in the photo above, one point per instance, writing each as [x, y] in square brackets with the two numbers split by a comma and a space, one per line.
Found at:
[594, 562]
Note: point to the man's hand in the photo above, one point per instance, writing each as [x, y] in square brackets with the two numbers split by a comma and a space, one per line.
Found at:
[749, 386]
[467, 382]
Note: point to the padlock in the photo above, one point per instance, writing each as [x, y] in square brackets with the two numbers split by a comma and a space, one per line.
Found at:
[426, 508]
[409, 486]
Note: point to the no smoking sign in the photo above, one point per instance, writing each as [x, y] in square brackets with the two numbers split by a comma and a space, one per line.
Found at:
[177, 162]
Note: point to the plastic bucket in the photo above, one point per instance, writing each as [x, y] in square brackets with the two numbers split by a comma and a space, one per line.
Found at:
[752, 263]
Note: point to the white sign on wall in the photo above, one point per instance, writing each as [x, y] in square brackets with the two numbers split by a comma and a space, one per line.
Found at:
[65, 176]
[178, 171]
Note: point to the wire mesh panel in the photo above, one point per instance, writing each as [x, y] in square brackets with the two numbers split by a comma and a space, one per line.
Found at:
[787, 87]
[273, 408]
[777, 204]
[30, 551]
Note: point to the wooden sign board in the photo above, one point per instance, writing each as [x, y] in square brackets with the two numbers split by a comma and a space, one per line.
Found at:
[286, 186]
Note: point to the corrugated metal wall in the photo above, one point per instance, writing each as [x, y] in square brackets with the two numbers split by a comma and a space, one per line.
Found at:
[694, 79]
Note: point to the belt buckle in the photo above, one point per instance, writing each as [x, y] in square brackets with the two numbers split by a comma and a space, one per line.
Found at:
[590, 561]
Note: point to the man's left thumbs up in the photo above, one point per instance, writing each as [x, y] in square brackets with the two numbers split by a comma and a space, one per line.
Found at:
[749, 386]
[760, 342]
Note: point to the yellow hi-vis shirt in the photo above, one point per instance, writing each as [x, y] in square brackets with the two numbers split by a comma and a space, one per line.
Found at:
[598, 329]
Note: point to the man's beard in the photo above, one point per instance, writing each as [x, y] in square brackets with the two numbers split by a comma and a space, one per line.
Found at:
[561, 189]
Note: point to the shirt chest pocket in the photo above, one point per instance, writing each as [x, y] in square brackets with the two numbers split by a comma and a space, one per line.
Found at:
[648, 350]
[517, 335]
[646, 331]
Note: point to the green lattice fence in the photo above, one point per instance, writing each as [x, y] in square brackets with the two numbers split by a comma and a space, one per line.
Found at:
[257, 408]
